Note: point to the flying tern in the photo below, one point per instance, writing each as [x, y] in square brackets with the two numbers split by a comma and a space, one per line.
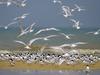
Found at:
[27, 30]
[12, 23]
[57, 1]
[72, 45]
[27, 46]
[67, 11]
[47, 37]
[66, 36]
[22, 16]
[78, 8]
[95, 32]
[76, 24]
[46, 29]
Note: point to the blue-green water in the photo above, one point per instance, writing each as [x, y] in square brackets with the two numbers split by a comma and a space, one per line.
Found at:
[8, 36]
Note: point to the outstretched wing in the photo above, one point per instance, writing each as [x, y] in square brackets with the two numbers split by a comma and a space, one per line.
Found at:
[64, 45]
[51, 36]
[98, 30]
[73, 20]
[77, 6]
[38, 32]
[89, 32]
[52, 29]
[19, 42]
[80, 43]
[33, 40]
[11, 23]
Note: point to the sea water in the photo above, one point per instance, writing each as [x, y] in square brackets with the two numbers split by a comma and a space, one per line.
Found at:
[8, 36]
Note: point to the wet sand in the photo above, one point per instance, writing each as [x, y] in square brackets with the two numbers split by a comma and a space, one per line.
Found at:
[20, 65]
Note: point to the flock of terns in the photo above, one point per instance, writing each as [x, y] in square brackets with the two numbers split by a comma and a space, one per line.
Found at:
[66, 12]
[69, 58]
[19, 3]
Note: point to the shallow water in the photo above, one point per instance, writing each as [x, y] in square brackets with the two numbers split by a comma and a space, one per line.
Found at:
[8, 72]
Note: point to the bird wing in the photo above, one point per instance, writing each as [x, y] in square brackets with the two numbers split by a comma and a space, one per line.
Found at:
[64, 45]
[52, 29]
[26, 29]
[80, 43]
[89, 32]
[77, 6]
[26, 14]
[98, 30]
[63, 34]
[31, 26]
[11, 23]
[51, 36]
[20, 42]
[33, 40]
[16, 18]
[8, 3]
[40, 31]
[73, 20]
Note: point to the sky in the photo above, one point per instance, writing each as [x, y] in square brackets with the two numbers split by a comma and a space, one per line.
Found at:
[46, 13]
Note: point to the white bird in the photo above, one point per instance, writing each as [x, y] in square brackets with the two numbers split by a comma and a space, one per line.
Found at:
[66, 36]
[57, 1]
[87, 70]
[19, 3]
[23, 4]
[47, 37]
[46, 29]
[22, 16]
[77, 43]
[9, 2]
[72, 45]
[58, 48]
[67, 11]
[64, 45]
[23, 32]
[27, 46]
[78, 8]
[31, 27]
[33, 40]
[76, 24]
[27, 30]
[95, 32]
[12, 23]
[21, 42]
